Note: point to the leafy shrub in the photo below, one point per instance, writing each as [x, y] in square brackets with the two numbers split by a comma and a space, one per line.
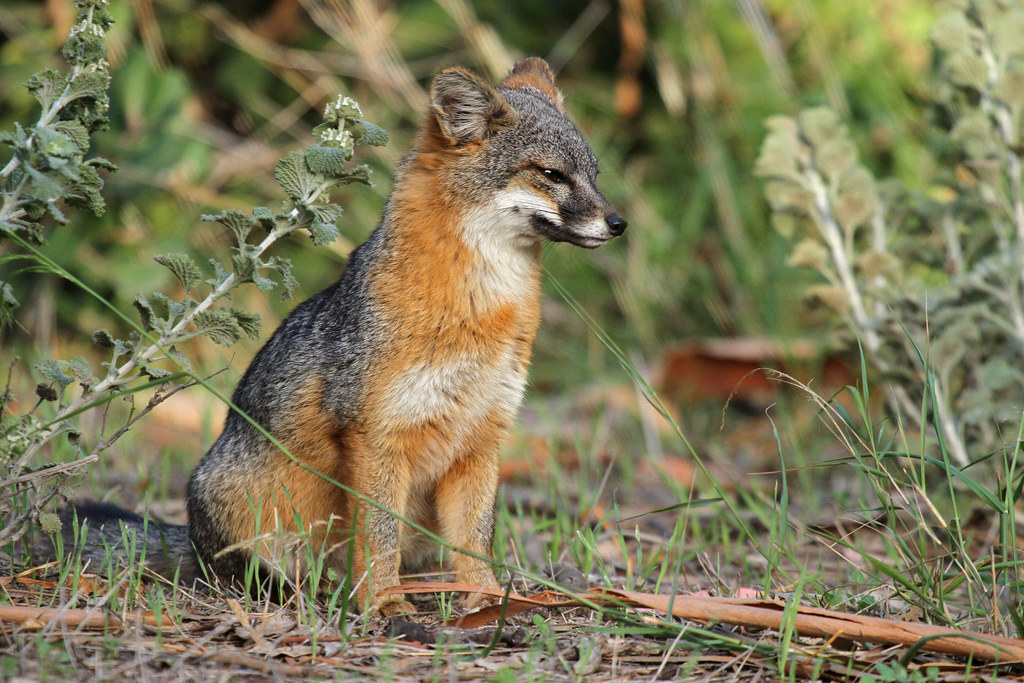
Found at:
[48, 170]
[931, 283]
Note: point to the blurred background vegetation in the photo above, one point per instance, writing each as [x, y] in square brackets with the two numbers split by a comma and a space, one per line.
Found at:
[673, 95]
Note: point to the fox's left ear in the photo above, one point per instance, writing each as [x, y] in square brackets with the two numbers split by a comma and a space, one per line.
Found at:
[466, 108]
[535, 72]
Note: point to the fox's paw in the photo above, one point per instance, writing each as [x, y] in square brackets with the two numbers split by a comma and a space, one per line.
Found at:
[393, 605]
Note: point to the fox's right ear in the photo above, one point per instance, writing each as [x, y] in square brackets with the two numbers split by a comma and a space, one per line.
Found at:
[466, 108]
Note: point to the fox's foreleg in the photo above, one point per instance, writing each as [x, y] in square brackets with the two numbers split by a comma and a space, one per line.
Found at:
[465, 498]
[382, 476]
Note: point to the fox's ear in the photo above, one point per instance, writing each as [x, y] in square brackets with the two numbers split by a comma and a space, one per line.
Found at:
[534, 72]
[466, 108]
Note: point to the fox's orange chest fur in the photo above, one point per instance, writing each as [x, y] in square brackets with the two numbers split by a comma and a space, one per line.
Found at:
[451, 393]
[465, 338]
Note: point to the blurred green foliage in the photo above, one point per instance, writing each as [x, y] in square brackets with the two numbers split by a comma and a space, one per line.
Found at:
[208, 95]
[931, 283]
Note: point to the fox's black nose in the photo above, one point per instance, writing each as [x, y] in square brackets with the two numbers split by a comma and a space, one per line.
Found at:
[616, 223]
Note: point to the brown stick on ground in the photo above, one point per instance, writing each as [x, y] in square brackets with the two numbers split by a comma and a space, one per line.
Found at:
[40, 617]
[807, 621]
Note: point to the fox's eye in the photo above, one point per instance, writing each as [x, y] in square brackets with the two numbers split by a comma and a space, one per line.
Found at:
[554, 176]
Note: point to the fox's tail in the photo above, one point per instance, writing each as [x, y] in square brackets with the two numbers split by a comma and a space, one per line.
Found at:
[114, 534]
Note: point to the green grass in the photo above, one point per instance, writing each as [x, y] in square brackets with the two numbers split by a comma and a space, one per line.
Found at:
[898, 568]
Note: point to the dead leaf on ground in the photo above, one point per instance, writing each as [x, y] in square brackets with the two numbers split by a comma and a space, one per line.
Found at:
[720, 369]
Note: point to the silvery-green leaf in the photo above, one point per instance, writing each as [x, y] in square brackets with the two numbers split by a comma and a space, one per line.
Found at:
[250, 323]
[218, 325]
[183, 267]
[142, 305]
[819, 125]
[777, 159]
[174, 308]
[788, 196]
[76, 132]
[372, 134]
[245, 266]
[79, 366]
[989, 12]
[53, 371]
[975, 132]
[967, 69]
[874, 264]
[1009, 89]
[44, 186]
[46, 86]
[53, 143]
[951, 32]
[1007, 35]
[239, 223]
[220, 273]
[785, 126]
[324, 229]
[856, 202]
[103, 339]
[356, 174]
[329, 161]
[832, 296]
[835, 157]
[284, 266]
[295, 177]
[265, 216]
[88, 84]
[180, 358]
[153, 372]
[809, 253]
[787, 224]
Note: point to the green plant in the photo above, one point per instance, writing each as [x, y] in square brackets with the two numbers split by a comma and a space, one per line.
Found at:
[930, 282]
[48, 167]
[898, 673]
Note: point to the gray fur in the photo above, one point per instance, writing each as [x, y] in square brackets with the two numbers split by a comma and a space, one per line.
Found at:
[328, 335]
[113, 533]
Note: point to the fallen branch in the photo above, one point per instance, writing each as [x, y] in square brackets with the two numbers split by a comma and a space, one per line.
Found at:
[41, 617]
[769, 614]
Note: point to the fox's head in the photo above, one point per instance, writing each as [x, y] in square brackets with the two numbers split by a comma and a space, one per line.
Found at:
[513, 154]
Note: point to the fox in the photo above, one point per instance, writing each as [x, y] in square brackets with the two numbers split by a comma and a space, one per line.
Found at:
[402, 379]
